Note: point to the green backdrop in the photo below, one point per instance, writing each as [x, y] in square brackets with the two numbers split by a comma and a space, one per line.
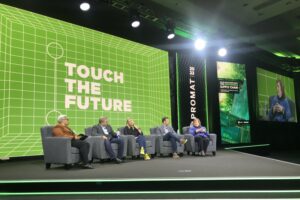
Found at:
[34, 49]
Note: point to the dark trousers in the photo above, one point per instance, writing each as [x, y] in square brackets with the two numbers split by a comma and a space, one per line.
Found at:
[84, 149]
[202, 143]
[141, 140]
[109, 149]
[173, 138]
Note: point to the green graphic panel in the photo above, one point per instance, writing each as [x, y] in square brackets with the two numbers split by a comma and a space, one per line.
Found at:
[234, 110]
[50, 67]
[266, 83]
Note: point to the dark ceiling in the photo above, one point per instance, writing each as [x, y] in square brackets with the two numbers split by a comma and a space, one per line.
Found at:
[272, 25]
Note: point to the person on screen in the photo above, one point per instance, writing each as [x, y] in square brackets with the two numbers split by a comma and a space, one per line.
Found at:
[279, 106]
[201, 136]
[62, 130]
[169, 134]
[106, 132]
[132, 129]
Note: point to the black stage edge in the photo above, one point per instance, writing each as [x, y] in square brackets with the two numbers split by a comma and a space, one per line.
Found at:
[151, 185]
[252, 187]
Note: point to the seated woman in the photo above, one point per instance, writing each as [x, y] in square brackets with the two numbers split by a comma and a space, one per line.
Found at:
[279, 106]
[132, 129]
[201, 136]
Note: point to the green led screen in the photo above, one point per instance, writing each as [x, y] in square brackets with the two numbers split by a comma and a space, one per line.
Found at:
[50, 67]
[268, 101]
[233, 102]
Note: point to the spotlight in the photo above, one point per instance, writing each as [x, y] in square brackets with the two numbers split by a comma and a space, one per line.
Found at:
[135, 23]
[171, 36]
[85, 6]
[222, 52]
[200, 44]
[170, 25]
[134, 18]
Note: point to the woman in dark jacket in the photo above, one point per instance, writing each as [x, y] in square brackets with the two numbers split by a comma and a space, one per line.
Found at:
[132, 129]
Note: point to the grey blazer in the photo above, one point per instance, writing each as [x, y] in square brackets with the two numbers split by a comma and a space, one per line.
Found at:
[161, 129]
[98, 131]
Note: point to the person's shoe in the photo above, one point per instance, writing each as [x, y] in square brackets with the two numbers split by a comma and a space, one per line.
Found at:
[183, 141]
[202, 153]
[87, 166]
[175, 156]
[146, 157]
[142, 151]
[118, 161]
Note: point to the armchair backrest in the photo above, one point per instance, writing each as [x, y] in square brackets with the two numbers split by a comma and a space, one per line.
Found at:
[46, 131]
[185, 129]
[88, 131]
[121, 129]
[154, 131]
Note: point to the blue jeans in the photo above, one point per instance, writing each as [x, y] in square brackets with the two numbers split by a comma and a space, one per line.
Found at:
[109, 149]
[173, 138]
[141, 140]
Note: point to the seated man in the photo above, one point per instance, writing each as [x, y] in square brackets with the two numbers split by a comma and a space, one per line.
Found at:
[106, 132]
[132, 129]
[201, 136]
[169, 134]
[62, 130]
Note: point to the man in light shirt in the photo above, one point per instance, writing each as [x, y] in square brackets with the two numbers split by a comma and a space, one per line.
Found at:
[106, 132]
[169, 134]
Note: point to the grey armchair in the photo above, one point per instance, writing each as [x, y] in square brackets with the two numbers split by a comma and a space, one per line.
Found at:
[99, 151]
[133, 148]
[164, 147]
[58, 150]
[190, 145]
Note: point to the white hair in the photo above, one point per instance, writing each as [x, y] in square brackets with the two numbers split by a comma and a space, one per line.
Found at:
[61, 117]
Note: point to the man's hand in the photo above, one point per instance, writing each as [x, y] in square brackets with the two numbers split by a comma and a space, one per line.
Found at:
[77, 137]
[104, 137]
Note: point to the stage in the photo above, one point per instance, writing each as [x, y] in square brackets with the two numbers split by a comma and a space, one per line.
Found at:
[227, 163]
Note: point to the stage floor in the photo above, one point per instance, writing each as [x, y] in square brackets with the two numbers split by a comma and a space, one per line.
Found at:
[226, 164]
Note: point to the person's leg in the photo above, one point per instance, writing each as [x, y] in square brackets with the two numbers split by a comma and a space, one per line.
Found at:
[84, 148]
[177, 138]
[173, 144]
[205, 144]
[201, 144]
[141, 140]
[198, 142]
[170, 137]
[120, 143]
[167, 137]
[109, 149]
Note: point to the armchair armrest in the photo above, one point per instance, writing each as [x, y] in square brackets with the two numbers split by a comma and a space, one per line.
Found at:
[158, 142]
[151, 138]
[57, 150]
[190, 145]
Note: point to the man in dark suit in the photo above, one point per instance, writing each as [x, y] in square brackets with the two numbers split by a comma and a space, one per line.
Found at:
[106, 132]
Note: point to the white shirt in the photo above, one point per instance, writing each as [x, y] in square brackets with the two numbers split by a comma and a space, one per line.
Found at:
[166, 130]
[105, 130]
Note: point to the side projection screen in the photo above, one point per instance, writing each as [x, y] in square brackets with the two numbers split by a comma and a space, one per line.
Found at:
[276, 97]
